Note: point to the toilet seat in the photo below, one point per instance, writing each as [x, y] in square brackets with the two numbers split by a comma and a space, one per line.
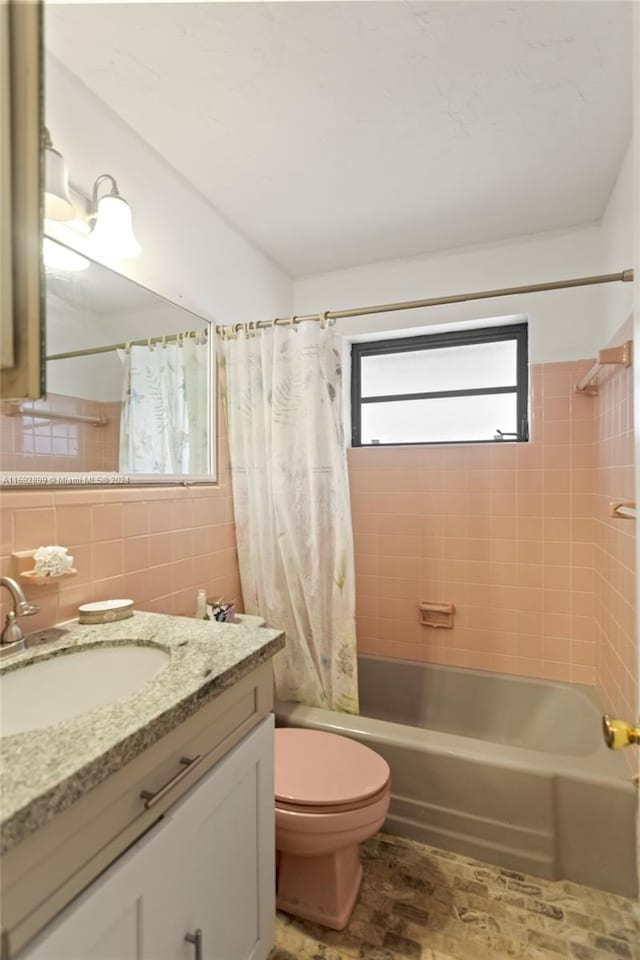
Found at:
[324, 809]
[326, 771]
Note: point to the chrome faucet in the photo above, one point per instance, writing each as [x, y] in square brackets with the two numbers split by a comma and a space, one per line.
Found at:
[11, 638]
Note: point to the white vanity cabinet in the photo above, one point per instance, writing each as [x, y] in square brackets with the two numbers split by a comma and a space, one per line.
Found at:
[207, 865]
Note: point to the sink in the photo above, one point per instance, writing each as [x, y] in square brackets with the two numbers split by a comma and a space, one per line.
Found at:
[46, 692]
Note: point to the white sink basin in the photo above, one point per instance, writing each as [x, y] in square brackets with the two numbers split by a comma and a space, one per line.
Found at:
[50, 691]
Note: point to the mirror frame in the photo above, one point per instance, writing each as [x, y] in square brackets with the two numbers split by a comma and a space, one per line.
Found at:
[45, 479]
[21, 163]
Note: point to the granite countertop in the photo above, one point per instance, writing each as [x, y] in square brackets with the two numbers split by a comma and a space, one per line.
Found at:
[44, 771]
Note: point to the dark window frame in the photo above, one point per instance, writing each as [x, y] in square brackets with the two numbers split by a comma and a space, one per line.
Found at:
[435, 341]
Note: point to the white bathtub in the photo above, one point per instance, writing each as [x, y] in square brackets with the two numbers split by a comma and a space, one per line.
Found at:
[509, 770]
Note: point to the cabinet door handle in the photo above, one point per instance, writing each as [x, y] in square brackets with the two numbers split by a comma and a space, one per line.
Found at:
[196, 940]
[150, 799]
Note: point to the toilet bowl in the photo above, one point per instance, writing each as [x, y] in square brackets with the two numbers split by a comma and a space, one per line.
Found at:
[331, 794]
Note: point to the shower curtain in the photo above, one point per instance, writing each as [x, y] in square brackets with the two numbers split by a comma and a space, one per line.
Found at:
[164, 417]
[282, 390]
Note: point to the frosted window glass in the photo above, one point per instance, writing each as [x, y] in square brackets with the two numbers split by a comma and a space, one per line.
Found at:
[440, 420]
[448, 368]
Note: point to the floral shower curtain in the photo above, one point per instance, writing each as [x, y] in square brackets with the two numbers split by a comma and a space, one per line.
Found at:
[291, 499]
[163, 423]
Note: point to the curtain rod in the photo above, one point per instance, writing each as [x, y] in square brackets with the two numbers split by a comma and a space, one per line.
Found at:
[90, 351]
[625, 276]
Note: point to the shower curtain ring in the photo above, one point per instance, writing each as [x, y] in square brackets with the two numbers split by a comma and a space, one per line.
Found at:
[238, 328]
[127, 346]
[150, 344]
[292, 322]
[164, 342]
[322, 317]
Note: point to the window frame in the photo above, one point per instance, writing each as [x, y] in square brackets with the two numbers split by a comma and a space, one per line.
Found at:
[434, 341]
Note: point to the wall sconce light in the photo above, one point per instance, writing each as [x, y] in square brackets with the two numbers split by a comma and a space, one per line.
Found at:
[57, 202]
[111, 223]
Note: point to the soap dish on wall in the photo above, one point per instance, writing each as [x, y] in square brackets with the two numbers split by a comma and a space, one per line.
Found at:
[434, 614]
[23, 569]
[41, 579]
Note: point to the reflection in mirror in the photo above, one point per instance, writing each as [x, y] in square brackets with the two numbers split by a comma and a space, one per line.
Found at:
[130, 385]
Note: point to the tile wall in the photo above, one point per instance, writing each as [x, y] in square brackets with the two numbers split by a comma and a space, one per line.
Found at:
[154, 545]
[615, 617]
[508, 533]
[518, 537]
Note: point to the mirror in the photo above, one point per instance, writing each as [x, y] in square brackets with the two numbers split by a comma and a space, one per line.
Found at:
[130, 386]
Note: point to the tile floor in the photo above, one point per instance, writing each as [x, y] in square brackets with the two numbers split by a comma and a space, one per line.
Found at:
[419, 903]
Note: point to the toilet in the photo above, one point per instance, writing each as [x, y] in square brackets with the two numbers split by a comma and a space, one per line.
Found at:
[331, 794]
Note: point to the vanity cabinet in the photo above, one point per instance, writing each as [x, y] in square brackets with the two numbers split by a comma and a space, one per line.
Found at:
[52, 866]
[207, 864]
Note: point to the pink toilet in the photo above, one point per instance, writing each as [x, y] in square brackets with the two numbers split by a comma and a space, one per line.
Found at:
[331, 794]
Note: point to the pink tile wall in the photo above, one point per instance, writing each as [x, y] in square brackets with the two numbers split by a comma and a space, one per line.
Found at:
[154, 545]
[516, 536]
[504, 531]
[615, 612]
[36, 443]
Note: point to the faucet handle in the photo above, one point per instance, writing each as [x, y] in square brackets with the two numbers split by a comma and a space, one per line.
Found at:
[618, 734]
[26, 609]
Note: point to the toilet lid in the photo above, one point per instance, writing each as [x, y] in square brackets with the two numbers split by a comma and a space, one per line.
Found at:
[313, 767]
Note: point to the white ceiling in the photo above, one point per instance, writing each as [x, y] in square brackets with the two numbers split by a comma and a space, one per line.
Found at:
[335, 134]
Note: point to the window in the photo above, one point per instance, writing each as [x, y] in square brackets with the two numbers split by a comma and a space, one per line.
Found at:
[466, 386]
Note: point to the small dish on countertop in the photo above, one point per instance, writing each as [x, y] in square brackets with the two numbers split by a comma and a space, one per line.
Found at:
[105, 611]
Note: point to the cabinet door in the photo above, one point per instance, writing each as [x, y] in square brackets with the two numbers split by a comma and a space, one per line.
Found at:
[208, 864]
[108, 920]
[224, 880]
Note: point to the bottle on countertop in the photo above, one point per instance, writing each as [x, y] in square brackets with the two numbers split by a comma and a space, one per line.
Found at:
[201, 605]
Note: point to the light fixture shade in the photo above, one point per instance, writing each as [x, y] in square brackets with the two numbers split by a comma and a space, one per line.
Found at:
[57, 257]
[57, 202]
[112, 234]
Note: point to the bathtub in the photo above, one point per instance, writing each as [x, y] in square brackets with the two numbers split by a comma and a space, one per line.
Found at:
[504, 769]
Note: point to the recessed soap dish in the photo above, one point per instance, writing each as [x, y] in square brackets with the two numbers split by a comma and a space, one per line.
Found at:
[434, 614]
